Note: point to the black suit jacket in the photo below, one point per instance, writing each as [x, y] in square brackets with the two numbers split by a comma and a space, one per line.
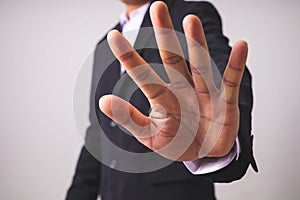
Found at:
[174, 181]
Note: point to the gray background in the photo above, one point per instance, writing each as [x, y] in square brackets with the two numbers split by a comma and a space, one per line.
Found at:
[42, 47]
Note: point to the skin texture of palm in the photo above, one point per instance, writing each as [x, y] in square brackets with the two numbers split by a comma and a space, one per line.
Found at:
[190, 118]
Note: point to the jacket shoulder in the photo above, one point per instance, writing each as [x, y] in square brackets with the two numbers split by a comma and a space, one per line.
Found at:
[195, 5]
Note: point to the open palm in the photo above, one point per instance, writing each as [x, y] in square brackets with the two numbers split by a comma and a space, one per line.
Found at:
[190, 117]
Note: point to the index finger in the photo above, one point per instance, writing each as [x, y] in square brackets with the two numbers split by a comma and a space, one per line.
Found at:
[137, 68]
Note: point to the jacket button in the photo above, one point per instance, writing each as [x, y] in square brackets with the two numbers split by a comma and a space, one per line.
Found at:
[113, 124]
[113, 164]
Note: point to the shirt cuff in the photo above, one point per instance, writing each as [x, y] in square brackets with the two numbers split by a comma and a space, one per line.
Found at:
[212, 164]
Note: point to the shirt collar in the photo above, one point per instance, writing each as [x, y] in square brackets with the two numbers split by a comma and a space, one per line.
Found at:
[141, 11]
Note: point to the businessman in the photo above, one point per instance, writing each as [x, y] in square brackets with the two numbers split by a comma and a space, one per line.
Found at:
[188, 108]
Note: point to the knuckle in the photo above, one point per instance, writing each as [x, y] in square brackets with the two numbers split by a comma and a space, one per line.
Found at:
[126, 56]
[203, 91]
[236, 68]
[202, 71]
[172, 59]
[230, 83]
[158, 93]
[143, 75]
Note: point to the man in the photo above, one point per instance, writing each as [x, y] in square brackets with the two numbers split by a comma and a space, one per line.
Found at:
[224, 161]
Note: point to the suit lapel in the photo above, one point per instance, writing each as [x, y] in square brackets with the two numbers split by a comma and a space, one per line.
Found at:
[146, 37]
[110, 75]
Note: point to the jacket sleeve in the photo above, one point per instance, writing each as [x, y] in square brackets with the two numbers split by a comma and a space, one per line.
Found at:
[219, 52]
[86, 181]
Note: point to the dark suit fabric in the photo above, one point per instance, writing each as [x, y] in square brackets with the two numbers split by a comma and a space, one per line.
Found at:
[173, 182]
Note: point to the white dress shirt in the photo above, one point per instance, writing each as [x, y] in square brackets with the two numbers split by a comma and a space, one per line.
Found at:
[130, 29]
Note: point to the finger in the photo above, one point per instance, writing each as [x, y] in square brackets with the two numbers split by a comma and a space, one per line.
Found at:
[234, 72]
[124, 114]
[198, 55]
[137, 68]
[168, 43]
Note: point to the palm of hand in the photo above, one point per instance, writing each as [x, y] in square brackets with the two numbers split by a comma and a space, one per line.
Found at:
[190, 117]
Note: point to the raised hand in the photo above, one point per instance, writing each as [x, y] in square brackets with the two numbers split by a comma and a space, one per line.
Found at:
[190, 118]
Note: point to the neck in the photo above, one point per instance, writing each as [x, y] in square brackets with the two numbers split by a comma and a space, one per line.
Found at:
[133, 7]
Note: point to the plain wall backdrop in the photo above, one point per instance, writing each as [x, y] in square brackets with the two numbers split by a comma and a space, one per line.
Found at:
[42, 47]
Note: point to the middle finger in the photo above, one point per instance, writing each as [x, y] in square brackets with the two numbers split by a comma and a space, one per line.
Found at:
[168, 44]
